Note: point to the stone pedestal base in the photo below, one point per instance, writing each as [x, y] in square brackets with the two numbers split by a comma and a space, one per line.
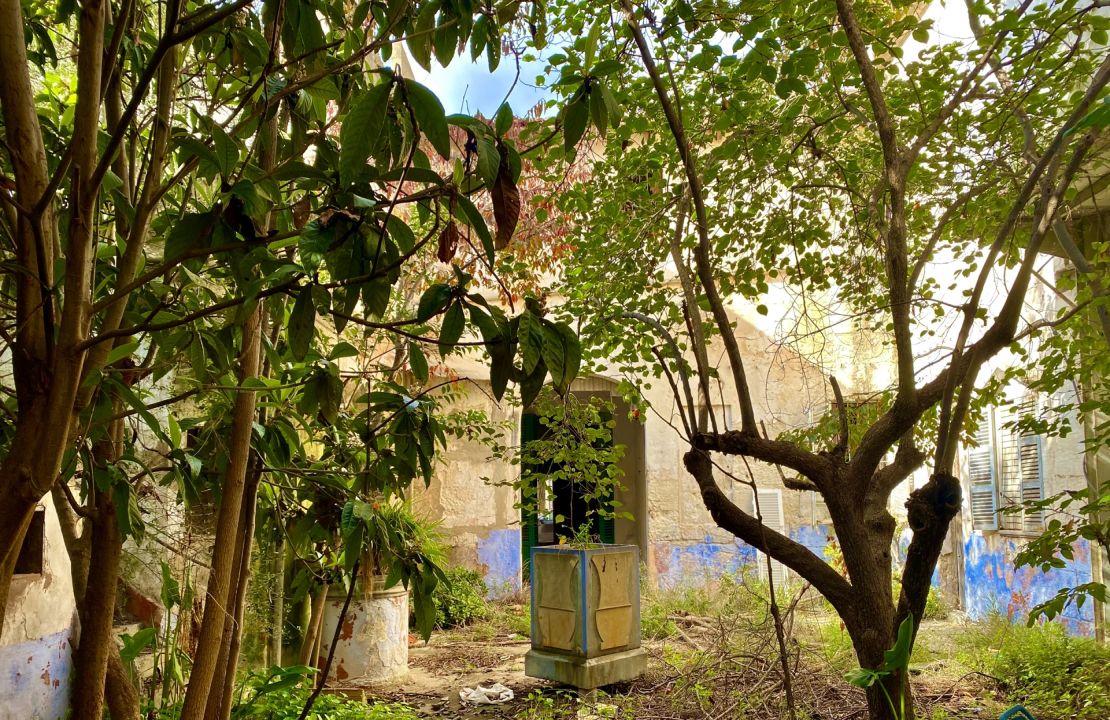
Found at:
[586, 673]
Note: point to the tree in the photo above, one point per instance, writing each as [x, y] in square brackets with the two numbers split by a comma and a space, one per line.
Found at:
[187, 188]
[803, 146]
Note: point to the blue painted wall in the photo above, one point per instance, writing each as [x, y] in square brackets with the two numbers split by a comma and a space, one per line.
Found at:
[814, 537]
[993, 584]
[499, 554]
[679, 564]
[34, 678]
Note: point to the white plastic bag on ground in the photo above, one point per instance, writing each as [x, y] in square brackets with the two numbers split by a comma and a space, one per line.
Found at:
[493, 695]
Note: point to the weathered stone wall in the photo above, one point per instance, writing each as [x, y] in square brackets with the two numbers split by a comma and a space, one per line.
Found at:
[989, 582]
[472, 500]
[40, 629]
[681, 544]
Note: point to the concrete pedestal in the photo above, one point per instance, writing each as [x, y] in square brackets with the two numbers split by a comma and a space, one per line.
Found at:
[585, 615]
[586, 673]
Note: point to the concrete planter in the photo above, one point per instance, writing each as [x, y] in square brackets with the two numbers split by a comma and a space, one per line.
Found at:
[586, 615]
[374, 641]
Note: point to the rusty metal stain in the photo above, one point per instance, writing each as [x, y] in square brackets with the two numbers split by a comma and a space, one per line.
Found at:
[348, 630]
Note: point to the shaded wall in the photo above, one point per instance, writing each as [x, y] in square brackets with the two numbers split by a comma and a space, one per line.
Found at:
[40, 629]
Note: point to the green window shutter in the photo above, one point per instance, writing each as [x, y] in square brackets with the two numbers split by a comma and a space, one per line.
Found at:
[981, 478]
[606, 530]
[529, 430]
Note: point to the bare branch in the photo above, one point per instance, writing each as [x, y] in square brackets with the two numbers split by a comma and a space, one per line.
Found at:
[702, 253]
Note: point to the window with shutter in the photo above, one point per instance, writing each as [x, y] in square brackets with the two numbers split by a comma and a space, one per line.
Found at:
[981, 477]
[1022, 471]
[770, 507]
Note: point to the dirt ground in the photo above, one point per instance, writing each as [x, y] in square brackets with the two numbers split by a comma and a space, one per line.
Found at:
[696, 674]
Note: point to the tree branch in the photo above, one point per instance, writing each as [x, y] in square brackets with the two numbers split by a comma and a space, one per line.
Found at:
[702, 252]
[796, 556]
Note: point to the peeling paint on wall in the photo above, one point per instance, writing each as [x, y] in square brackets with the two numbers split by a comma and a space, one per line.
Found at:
[814, 537]
[698, 563]
[678, 564]
[499, 554]
[993, 584]
[34, 677]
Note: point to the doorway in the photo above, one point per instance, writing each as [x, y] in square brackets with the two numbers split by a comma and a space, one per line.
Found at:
[560, 508]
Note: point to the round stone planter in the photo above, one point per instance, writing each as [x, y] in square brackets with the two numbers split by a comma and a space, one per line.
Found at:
[374, 639]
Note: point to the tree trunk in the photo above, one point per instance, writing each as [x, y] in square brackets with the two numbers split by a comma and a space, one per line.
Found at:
[277, 631]
[312, 631]
[97, 612]
[218, 595]
[233, 631]
[121, 694]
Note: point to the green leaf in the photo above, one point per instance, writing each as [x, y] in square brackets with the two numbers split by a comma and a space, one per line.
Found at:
[605, 67]
[225, 149]
[375, 296]
[445, 39]
[417, 362]
[422, 35]
[479, 36]
[432, 301]
[861, 677]
[592, 39]
[192, 232]
[898, 656]
[451, 329]
[120, 352]
[429, 116]
[1097, 118]
[467, 212]
[343, 350]
[599, 112]
[562, 353]
[501, 366]
[489, 160]
[362, 130]
[575, 118]
[611, 105]
[302, 325]
[503, 120]
[530, 334]
[133, 645]
[531, 385]
[128, 514]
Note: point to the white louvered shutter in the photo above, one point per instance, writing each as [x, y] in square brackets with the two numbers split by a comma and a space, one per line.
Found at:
[770, 507]
[981, 478]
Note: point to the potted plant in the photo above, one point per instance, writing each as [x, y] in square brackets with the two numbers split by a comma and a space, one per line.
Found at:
[397, 554]
[585, 593]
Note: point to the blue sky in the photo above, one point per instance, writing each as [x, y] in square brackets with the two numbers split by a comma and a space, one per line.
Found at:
[468, 87]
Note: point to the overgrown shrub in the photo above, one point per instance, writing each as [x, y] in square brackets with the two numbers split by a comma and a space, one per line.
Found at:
[462, 599]
[1041, 667]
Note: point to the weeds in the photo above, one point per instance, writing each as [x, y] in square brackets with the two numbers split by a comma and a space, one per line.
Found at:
[1054, 675]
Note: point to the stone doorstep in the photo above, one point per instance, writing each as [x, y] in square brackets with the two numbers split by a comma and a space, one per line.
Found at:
[586, 673]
